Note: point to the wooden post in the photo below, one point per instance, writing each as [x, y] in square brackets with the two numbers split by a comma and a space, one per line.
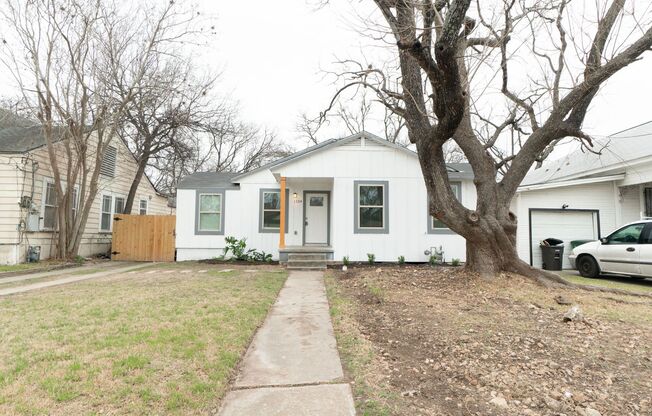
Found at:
[281, 231]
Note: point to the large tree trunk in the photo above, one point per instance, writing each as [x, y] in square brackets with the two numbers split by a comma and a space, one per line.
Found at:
[142, 164]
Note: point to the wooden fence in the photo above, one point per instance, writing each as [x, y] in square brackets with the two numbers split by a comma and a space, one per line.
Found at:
[143, 237]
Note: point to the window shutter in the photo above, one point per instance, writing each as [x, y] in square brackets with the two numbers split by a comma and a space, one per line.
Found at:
[108, 163]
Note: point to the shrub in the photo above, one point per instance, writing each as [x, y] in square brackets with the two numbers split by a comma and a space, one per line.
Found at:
[433, 260]
[345, 261]
[371, 258]
[455, 262]
[401, 259]
[79, 259]
[239, 251]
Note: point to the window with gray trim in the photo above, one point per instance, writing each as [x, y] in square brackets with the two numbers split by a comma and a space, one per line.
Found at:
[437, 226]
[269, 216]
[371, 211]
[210, 212]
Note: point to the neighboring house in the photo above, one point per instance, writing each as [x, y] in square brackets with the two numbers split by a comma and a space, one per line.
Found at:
[346, 197]
[585, 195]
[28, 199]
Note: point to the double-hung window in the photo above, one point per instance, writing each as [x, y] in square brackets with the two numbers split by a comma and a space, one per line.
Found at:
[270, 210]
[119, 206]
[50, 207]
[106, 216]
[371, 211]
[142, 209]
[75, 202]
[209, 217]
[435, 225]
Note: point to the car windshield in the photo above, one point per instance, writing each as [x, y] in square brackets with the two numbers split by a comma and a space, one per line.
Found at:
[627, 235]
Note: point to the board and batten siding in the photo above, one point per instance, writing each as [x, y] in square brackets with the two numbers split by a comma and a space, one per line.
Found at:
[93, 240]
[335, 170]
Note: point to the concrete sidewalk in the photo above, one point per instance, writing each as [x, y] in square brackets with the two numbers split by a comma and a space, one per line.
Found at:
[72, 275]
[292, 366]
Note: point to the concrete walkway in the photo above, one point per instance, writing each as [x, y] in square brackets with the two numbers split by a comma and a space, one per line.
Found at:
[70, 276]
[292, 366]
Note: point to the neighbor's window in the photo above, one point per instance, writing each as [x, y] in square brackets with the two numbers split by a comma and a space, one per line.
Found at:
[105, 220]
[75, 202]
[50, 207]
[143, 207]
[107, 168]
[119, 207]
[370, 211]
[271, 210]
[210, 212]
[436, 224]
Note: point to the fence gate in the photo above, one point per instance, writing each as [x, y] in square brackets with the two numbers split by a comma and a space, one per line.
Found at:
[143, 237]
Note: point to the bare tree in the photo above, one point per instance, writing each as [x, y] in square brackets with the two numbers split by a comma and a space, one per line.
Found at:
[168, 104]
[449, 54]
[63, 55]
[236, 146]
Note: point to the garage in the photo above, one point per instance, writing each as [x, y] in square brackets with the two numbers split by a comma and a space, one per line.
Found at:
[564, 224]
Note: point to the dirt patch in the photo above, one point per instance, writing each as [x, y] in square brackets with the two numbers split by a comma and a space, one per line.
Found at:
[446, 343]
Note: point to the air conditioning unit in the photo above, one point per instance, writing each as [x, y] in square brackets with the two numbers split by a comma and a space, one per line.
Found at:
[32, 222]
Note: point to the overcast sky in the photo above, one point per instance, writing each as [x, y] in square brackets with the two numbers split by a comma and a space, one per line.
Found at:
[273, 54]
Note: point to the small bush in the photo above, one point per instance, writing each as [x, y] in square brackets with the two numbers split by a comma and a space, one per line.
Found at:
[79, 259]
[455, 262]
[239, 251]
[433, 260]
[371, 258]
[345, 261]
[401, 259]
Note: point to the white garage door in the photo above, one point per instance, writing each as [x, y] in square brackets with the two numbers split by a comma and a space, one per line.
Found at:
[564, 225]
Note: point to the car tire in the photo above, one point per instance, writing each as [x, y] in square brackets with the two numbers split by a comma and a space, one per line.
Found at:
[588, 267]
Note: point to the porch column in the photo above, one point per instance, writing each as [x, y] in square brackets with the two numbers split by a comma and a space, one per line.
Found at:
[281, 233]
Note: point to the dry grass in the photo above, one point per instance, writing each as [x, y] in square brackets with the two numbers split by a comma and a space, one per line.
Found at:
[136, 343]
[422, 341]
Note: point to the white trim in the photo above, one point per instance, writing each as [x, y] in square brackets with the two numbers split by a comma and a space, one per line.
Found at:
[48, 180]
[571, 183]
[146, 206]
[44, 191]
[113, 197]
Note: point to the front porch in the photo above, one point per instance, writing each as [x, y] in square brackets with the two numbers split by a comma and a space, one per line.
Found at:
[305, 214]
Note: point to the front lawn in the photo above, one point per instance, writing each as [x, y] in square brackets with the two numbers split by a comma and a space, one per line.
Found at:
[437, 341]
[158, 341]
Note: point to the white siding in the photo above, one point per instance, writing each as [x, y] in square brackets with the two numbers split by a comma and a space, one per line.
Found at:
[333, 170]
[599, 196]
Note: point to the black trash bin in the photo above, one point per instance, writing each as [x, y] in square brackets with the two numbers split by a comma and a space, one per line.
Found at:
[552, 254]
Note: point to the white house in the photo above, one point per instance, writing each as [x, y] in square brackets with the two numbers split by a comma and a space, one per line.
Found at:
[28, 208]
[585, 195]
[344, 197]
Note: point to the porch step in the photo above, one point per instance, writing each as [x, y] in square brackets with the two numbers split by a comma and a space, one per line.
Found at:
[306, 261]
[307, 256]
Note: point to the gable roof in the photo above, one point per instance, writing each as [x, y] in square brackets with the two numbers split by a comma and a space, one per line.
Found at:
[617, 152]
[20, 135]
[457, 170]
[201, 180]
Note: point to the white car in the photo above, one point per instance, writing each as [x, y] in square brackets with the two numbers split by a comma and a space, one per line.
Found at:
[628, 250]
